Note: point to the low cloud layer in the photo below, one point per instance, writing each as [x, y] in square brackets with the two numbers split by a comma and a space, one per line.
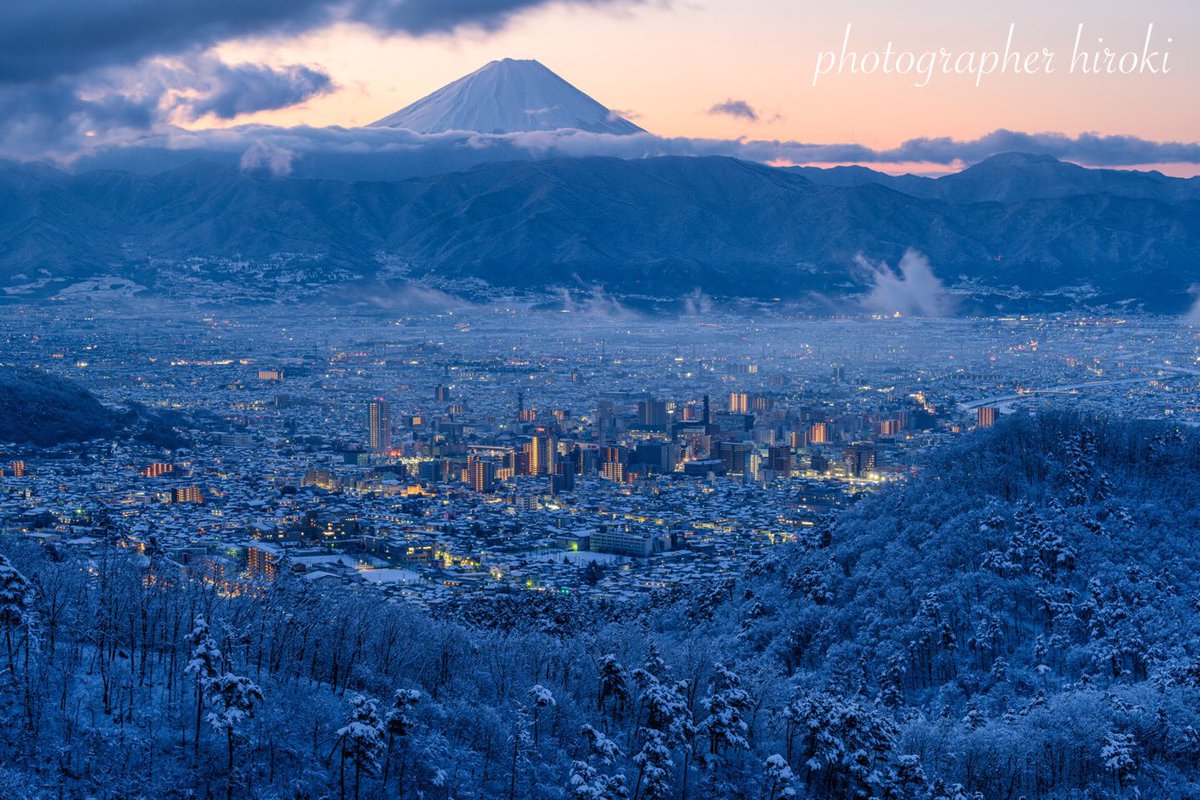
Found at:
[385, 153]
[911, 290]
[735, 108]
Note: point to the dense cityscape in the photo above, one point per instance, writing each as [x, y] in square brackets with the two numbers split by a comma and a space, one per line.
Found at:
[486, 449]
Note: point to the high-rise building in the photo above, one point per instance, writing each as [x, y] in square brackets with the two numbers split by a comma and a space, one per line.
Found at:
[652, 414]
[441, 393]
[985, 416]
[563, 477]
[739, 402]
[779, 459]
[615, 454]
[483, 475]
[379, 426]
[542, 449]
[859, 459]
[818, 433]
[735, 456]
[656, 457]
[613, 471]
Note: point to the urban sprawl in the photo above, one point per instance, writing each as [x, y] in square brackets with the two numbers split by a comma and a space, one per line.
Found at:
[464, 453]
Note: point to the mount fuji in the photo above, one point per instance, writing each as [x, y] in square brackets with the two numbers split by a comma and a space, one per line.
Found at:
[508, 96]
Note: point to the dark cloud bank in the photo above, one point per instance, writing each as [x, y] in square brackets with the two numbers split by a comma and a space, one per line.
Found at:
[50, 38]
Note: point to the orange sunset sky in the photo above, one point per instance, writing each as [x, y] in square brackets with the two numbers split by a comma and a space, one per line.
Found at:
[664, 64]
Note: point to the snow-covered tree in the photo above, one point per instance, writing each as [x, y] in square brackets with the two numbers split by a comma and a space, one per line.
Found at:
[541, 700]
[231, 699]
[653, 669]
[614, 685]
[843, 743]
[204, 666]
[726, 705]
[399, 724]
[1120, 757]
[16, 604]
[665, 709]
[360, 741]
[585, 781]
[778, 779]
[904, 779]
[974, 718]
[666, 726]
[654, 764]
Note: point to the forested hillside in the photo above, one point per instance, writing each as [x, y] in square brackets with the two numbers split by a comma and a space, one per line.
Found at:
[653, 227]
[1019, 621]
[42, 409]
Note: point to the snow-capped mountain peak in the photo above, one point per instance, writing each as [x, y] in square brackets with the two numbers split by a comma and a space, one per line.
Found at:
[508, 96]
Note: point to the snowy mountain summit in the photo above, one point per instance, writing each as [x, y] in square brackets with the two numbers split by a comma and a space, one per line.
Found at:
[508, 96]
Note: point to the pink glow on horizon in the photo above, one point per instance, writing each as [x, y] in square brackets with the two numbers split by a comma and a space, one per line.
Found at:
[670, 64]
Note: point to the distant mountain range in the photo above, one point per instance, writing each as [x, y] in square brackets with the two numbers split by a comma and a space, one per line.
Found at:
[1013, 232]
[443, 207]
[1015, 177]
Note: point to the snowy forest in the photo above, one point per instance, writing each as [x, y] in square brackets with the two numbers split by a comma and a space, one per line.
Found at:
[1018, 621]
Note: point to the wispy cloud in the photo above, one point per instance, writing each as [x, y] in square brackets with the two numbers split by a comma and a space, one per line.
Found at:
[226, 91]
[271, 157]
[735, 108]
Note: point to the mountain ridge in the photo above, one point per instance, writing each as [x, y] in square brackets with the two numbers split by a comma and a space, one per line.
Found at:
[1013, 176]
[659, 227]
